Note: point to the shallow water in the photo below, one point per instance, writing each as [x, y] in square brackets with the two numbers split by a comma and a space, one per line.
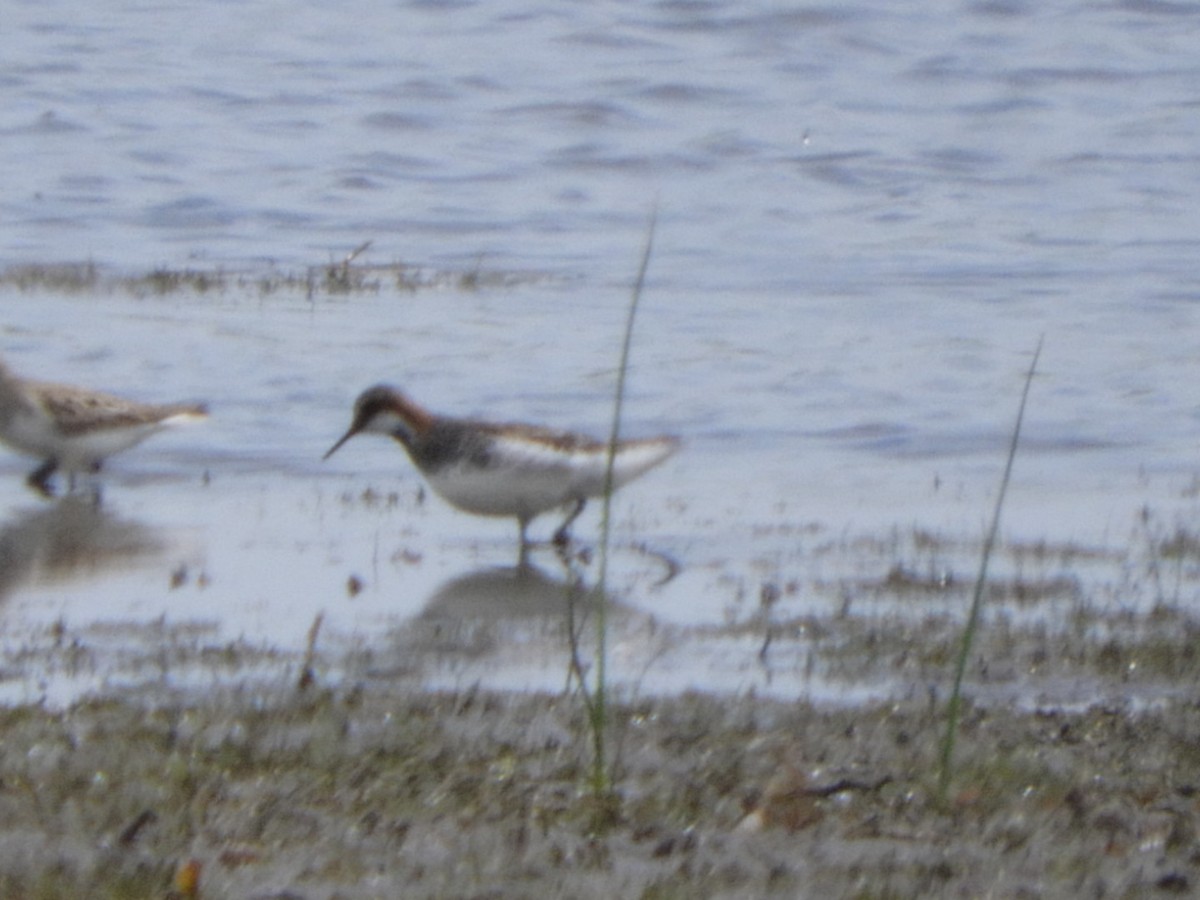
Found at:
[866, 220]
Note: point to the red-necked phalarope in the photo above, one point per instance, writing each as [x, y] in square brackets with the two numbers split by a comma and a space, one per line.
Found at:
[502, 469]
[76, 429]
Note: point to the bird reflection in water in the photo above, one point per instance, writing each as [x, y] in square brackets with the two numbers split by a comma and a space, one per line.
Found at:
[72, 540]
[503, 618]
[505, 592]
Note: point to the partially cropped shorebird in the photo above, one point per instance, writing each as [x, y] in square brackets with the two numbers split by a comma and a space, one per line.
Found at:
[75, 429]
[494, 469]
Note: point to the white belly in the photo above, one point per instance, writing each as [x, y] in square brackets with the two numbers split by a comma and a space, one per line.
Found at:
[35, 435]
[525, 479]
[503, 491]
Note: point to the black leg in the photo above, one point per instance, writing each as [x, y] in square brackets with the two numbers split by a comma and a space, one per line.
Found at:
[39, 478]
[562, 536]
[93, 468]
[523, 553]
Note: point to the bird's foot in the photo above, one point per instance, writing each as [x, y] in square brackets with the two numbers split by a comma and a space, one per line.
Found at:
[562, 537]
[39, 478]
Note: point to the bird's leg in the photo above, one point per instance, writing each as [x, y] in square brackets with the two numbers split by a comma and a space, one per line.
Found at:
[523, 556]
[561, 536]
[92, 482]
[39, 478]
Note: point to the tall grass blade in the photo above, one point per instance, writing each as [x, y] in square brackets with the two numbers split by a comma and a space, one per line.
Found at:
[597, 704]
[954, 707]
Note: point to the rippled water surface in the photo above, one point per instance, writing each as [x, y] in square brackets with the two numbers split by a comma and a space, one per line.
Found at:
[867, 218]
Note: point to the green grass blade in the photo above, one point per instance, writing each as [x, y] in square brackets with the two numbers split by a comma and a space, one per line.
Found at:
[954, 707]
[597, 709]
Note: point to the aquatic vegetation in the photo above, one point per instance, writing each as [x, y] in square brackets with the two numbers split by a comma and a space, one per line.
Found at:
[345, 277]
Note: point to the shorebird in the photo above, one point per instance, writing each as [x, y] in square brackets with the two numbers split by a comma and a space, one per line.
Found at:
[75, 429]
[503, 469]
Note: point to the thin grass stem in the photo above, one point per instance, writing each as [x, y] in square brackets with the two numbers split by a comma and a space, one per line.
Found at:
[598, 708]
[954, 707]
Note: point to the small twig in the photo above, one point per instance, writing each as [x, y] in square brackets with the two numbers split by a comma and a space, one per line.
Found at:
[575, 667]
[768, 636]
[356, 253]
[768, 596]
[131, 831]
[848, 784]
[307, 674]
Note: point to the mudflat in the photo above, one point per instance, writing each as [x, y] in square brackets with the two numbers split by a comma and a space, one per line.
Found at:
[382, 791]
